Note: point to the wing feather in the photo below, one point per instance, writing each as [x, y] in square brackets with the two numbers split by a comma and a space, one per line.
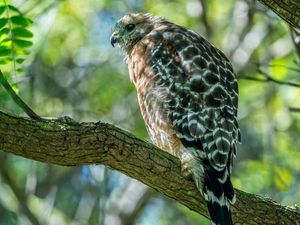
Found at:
[202, 88]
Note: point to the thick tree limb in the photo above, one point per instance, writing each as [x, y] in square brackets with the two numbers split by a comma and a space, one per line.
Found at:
[70, 143]
[288, 10]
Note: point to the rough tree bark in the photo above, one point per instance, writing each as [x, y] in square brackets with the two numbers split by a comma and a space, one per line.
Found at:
[67, 143]
[288, 10]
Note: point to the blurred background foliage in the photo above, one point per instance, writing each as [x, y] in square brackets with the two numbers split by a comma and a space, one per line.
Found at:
[72, 70]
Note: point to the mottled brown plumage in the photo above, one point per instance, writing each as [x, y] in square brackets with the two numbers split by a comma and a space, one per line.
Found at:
[188, 96]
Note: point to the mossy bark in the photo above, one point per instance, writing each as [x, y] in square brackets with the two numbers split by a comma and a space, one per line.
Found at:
[67, 143]
[288, 10]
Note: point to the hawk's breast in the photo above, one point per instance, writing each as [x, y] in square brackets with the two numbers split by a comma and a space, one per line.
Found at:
[153, 96]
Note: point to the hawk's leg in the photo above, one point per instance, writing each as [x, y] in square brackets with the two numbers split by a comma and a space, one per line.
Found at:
[192, 166]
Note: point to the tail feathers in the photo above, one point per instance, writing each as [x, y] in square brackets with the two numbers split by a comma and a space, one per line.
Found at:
[229, 191]
[215, 185]
[220, 214]
[219, 193]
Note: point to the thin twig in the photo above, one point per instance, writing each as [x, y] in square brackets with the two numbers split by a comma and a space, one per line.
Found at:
[276, 65]
[245, 77]
[204, 19]
[268, 78]
[293, 109]
[17, 99]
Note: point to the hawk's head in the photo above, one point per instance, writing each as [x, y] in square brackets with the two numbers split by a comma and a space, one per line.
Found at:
[132, 28]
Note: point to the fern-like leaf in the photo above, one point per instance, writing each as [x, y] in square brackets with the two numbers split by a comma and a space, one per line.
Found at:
[15, 37]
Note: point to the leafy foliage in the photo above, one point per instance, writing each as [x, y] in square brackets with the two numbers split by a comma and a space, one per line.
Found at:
[15, 37]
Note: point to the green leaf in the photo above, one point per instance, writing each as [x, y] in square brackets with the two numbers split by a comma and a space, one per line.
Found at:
[20, 60]
[21, 52]
[3, 22]
[283, 179]
[22, 32]
[4, 47]
[20, 20]
[12, 8]
[5, 40]
[2, 9]
[22, 43]
[4, 31]
[4, 51]
[5, 61]
[20, 70]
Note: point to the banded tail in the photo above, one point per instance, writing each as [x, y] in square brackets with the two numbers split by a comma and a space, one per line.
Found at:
[219, 194]
[215, 186]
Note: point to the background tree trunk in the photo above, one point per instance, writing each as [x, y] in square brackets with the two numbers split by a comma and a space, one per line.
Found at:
[68, 143]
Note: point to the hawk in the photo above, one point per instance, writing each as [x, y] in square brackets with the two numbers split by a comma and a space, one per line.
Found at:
[188, 97]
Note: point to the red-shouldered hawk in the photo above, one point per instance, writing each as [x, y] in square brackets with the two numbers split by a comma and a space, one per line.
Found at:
[188, 96]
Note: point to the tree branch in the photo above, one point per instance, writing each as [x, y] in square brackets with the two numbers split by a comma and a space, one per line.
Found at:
[294, 109]
[70, 143]
[17, 98]
[268, 78]
[288, 10]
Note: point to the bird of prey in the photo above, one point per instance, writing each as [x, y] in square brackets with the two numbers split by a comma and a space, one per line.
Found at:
[188, 96]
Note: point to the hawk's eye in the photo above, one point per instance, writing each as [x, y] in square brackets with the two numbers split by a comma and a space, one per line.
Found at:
[130, 27]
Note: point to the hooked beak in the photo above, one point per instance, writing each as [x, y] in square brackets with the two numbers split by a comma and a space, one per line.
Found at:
[114, 38]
